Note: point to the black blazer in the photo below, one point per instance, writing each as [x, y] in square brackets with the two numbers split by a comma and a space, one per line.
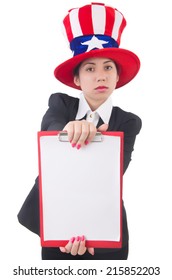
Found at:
[62, 109]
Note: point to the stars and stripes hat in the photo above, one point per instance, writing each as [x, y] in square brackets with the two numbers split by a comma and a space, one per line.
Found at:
[95, 31]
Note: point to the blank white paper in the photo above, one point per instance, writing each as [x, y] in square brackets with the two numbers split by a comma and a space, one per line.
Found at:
[81, 189]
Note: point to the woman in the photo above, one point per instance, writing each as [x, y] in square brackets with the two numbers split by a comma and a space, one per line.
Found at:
[97, 68]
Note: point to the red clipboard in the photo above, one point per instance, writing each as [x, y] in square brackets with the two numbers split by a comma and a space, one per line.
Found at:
[80, 191]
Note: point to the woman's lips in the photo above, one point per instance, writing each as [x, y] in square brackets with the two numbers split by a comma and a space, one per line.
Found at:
[101, 88]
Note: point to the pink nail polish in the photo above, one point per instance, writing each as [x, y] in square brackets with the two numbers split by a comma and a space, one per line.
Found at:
[82, 238]
[78, 238]
[78, 146]
[72, 239]
[86, 142]
[73, 145]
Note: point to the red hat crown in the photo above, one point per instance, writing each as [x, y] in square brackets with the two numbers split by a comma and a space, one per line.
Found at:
[93, 26]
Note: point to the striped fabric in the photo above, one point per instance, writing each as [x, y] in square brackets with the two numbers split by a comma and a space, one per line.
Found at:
[94, 19]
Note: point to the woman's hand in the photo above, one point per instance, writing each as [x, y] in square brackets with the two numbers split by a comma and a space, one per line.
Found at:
[80, 133]
[76, 246]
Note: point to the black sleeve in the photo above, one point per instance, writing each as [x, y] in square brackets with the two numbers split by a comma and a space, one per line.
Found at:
[131, 127]
[28, 215]
[56, 117]
[58, 113]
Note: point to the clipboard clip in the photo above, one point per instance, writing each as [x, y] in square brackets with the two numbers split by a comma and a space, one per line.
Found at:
[63, 137]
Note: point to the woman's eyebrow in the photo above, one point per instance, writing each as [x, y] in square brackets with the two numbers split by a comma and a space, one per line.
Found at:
[108, 61]
[92, 63]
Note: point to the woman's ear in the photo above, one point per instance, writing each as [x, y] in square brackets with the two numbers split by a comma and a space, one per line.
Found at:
[117, 78]
[76, 81]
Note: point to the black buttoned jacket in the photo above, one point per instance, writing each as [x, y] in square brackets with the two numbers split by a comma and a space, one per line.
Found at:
[62, 109]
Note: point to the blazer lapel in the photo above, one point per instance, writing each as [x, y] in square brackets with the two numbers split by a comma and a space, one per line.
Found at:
[100, 122]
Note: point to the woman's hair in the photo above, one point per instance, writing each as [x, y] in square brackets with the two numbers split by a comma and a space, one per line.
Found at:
[76, 70]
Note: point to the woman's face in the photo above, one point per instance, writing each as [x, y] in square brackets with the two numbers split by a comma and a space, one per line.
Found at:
[97, 78]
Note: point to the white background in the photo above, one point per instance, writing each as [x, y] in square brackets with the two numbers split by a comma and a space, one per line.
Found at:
[31, 46]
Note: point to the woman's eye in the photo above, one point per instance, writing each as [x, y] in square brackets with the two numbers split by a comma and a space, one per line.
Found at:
[90, 69]
[108, 67]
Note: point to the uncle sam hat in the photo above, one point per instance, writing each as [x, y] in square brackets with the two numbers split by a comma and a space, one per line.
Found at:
[95, 31]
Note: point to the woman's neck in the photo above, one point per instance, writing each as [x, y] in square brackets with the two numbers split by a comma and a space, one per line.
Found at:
[94, 105]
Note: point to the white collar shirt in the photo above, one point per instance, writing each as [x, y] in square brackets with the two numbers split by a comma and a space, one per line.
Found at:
[103, 112]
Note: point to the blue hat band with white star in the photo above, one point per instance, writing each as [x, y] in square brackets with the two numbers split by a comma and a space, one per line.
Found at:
[87, 43]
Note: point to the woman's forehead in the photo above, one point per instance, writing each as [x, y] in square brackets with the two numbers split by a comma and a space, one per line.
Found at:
[95, 60]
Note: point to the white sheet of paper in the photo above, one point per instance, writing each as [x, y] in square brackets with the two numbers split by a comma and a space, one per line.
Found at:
[81, 189]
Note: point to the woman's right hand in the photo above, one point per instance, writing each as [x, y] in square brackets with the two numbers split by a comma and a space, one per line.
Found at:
[82, 132]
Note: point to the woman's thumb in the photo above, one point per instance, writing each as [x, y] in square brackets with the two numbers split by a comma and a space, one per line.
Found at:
[103, 127]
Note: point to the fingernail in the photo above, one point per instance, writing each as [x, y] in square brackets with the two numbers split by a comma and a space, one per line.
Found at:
[86, 142]
[72, 239]
[78, 238]
[82, 238]
[73, 145]
[92, 251]
[78, 146]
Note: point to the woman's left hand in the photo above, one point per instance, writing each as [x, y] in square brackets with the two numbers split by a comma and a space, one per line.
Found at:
[76, 246]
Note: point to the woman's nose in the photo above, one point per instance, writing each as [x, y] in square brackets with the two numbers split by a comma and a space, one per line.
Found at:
[101, 79]
[101, 76]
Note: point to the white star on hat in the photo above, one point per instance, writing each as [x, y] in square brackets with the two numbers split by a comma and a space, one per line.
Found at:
[94, 43]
